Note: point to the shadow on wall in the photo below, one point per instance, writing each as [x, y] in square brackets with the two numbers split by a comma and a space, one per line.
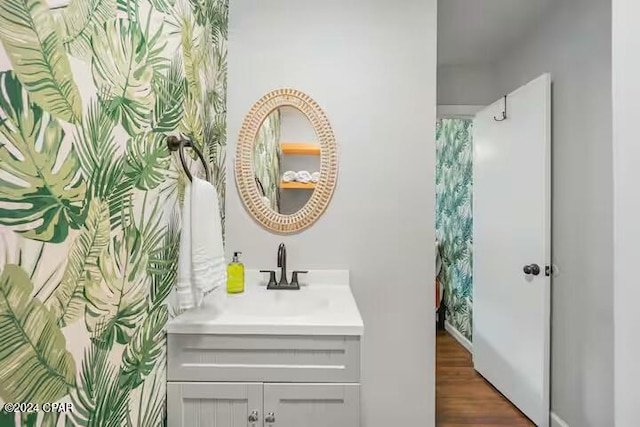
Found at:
[454, 218]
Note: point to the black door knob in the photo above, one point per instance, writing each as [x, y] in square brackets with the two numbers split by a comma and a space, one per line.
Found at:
[533, 269]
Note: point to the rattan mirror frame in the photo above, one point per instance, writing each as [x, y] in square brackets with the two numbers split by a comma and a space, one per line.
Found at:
[244, 171]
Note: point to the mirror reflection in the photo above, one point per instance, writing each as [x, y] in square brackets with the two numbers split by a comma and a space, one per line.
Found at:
[286, 160]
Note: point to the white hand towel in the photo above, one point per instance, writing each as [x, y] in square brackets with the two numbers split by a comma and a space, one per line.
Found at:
[184, 289]
[303, 176]
[288, 176]
[208, 266]
[201, 265]
[315, 177]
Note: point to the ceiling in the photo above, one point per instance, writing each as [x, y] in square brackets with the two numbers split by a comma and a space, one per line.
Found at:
[479, 31]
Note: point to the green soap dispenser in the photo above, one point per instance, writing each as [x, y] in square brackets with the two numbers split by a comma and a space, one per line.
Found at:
[235, 275]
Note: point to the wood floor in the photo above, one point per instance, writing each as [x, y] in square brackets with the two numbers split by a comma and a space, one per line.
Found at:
[463, 397]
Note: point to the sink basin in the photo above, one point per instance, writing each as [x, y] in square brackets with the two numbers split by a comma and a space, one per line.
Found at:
[324, 305]
[281, 303]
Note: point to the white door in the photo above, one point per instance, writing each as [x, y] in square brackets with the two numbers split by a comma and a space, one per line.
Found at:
[192, 404]
[512, 234]
[312, 405]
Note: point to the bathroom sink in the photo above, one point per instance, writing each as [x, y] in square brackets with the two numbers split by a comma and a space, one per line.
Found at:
[324, 305]
[284, 303]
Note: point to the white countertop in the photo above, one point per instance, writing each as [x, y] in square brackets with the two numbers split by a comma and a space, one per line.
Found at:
[323, 306]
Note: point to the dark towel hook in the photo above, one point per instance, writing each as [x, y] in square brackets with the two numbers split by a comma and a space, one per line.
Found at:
[504, 113]
[175, 144]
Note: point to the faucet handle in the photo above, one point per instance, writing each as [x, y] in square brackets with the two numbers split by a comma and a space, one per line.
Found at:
[272, 277]
[294, 279]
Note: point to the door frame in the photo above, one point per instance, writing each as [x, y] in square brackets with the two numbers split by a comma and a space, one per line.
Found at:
[449, 111]
[457, 111]
[467, 112]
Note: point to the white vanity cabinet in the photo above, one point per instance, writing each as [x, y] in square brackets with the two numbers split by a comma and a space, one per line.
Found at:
[263, 404]
[263, 381]
[269, 358]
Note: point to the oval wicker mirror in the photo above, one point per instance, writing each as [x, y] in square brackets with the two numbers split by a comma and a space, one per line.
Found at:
[286, 174]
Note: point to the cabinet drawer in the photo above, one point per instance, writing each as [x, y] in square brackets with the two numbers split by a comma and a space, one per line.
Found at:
[313, 405]
[263, 358]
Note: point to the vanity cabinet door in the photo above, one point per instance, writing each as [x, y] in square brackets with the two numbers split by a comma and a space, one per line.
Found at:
[191, 404]
[311, 405]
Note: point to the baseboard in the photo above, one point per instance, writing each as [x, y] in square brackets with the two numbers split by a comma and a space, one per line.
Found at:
[458, 337]
[556, 421]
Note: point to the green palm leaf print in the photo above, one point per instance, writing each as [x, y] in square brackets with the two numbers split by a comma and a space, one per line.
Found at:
[164, 6]
[151, 407]
[148, 160]
[94, 140]
[50, 419]
[116, 305]
[42, 191]
[454, 218]
[89, 196]
[28, 32]
[123, 74]
[101, 162]
[99, 401]
[191, 124]
[163, 268]
[190, 37]
[80, 19]
[170, 92]
[67, 301]
[34, 363]
[213, 15]
[144, 349]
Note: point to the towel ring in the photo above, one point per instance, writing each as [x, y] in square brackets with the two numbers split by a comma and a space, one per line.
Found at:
[175, 144]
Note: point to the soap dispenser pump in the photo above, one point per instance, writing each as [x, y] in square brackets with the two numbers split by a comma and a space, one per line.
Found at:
[235, 275]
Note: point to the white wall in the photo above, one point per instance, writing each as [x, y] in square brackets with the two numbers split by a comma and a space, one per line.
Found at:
[626, 149]
[574, 45]
[372, 69]
[466, 85]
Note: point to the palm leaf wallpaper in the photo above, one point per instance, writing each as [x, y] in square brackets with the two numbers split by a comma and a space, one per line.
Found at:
[266, 158]
[90, 196]
[454, 218]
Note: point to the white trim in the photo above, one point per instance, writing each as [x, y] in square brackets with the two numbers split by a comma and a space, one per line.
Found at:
[458, 336]
[458, 111]
[556, 421]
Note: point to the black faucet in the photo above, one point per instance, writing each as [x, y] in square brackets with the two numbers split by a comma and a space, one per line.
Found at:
[282, 263]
